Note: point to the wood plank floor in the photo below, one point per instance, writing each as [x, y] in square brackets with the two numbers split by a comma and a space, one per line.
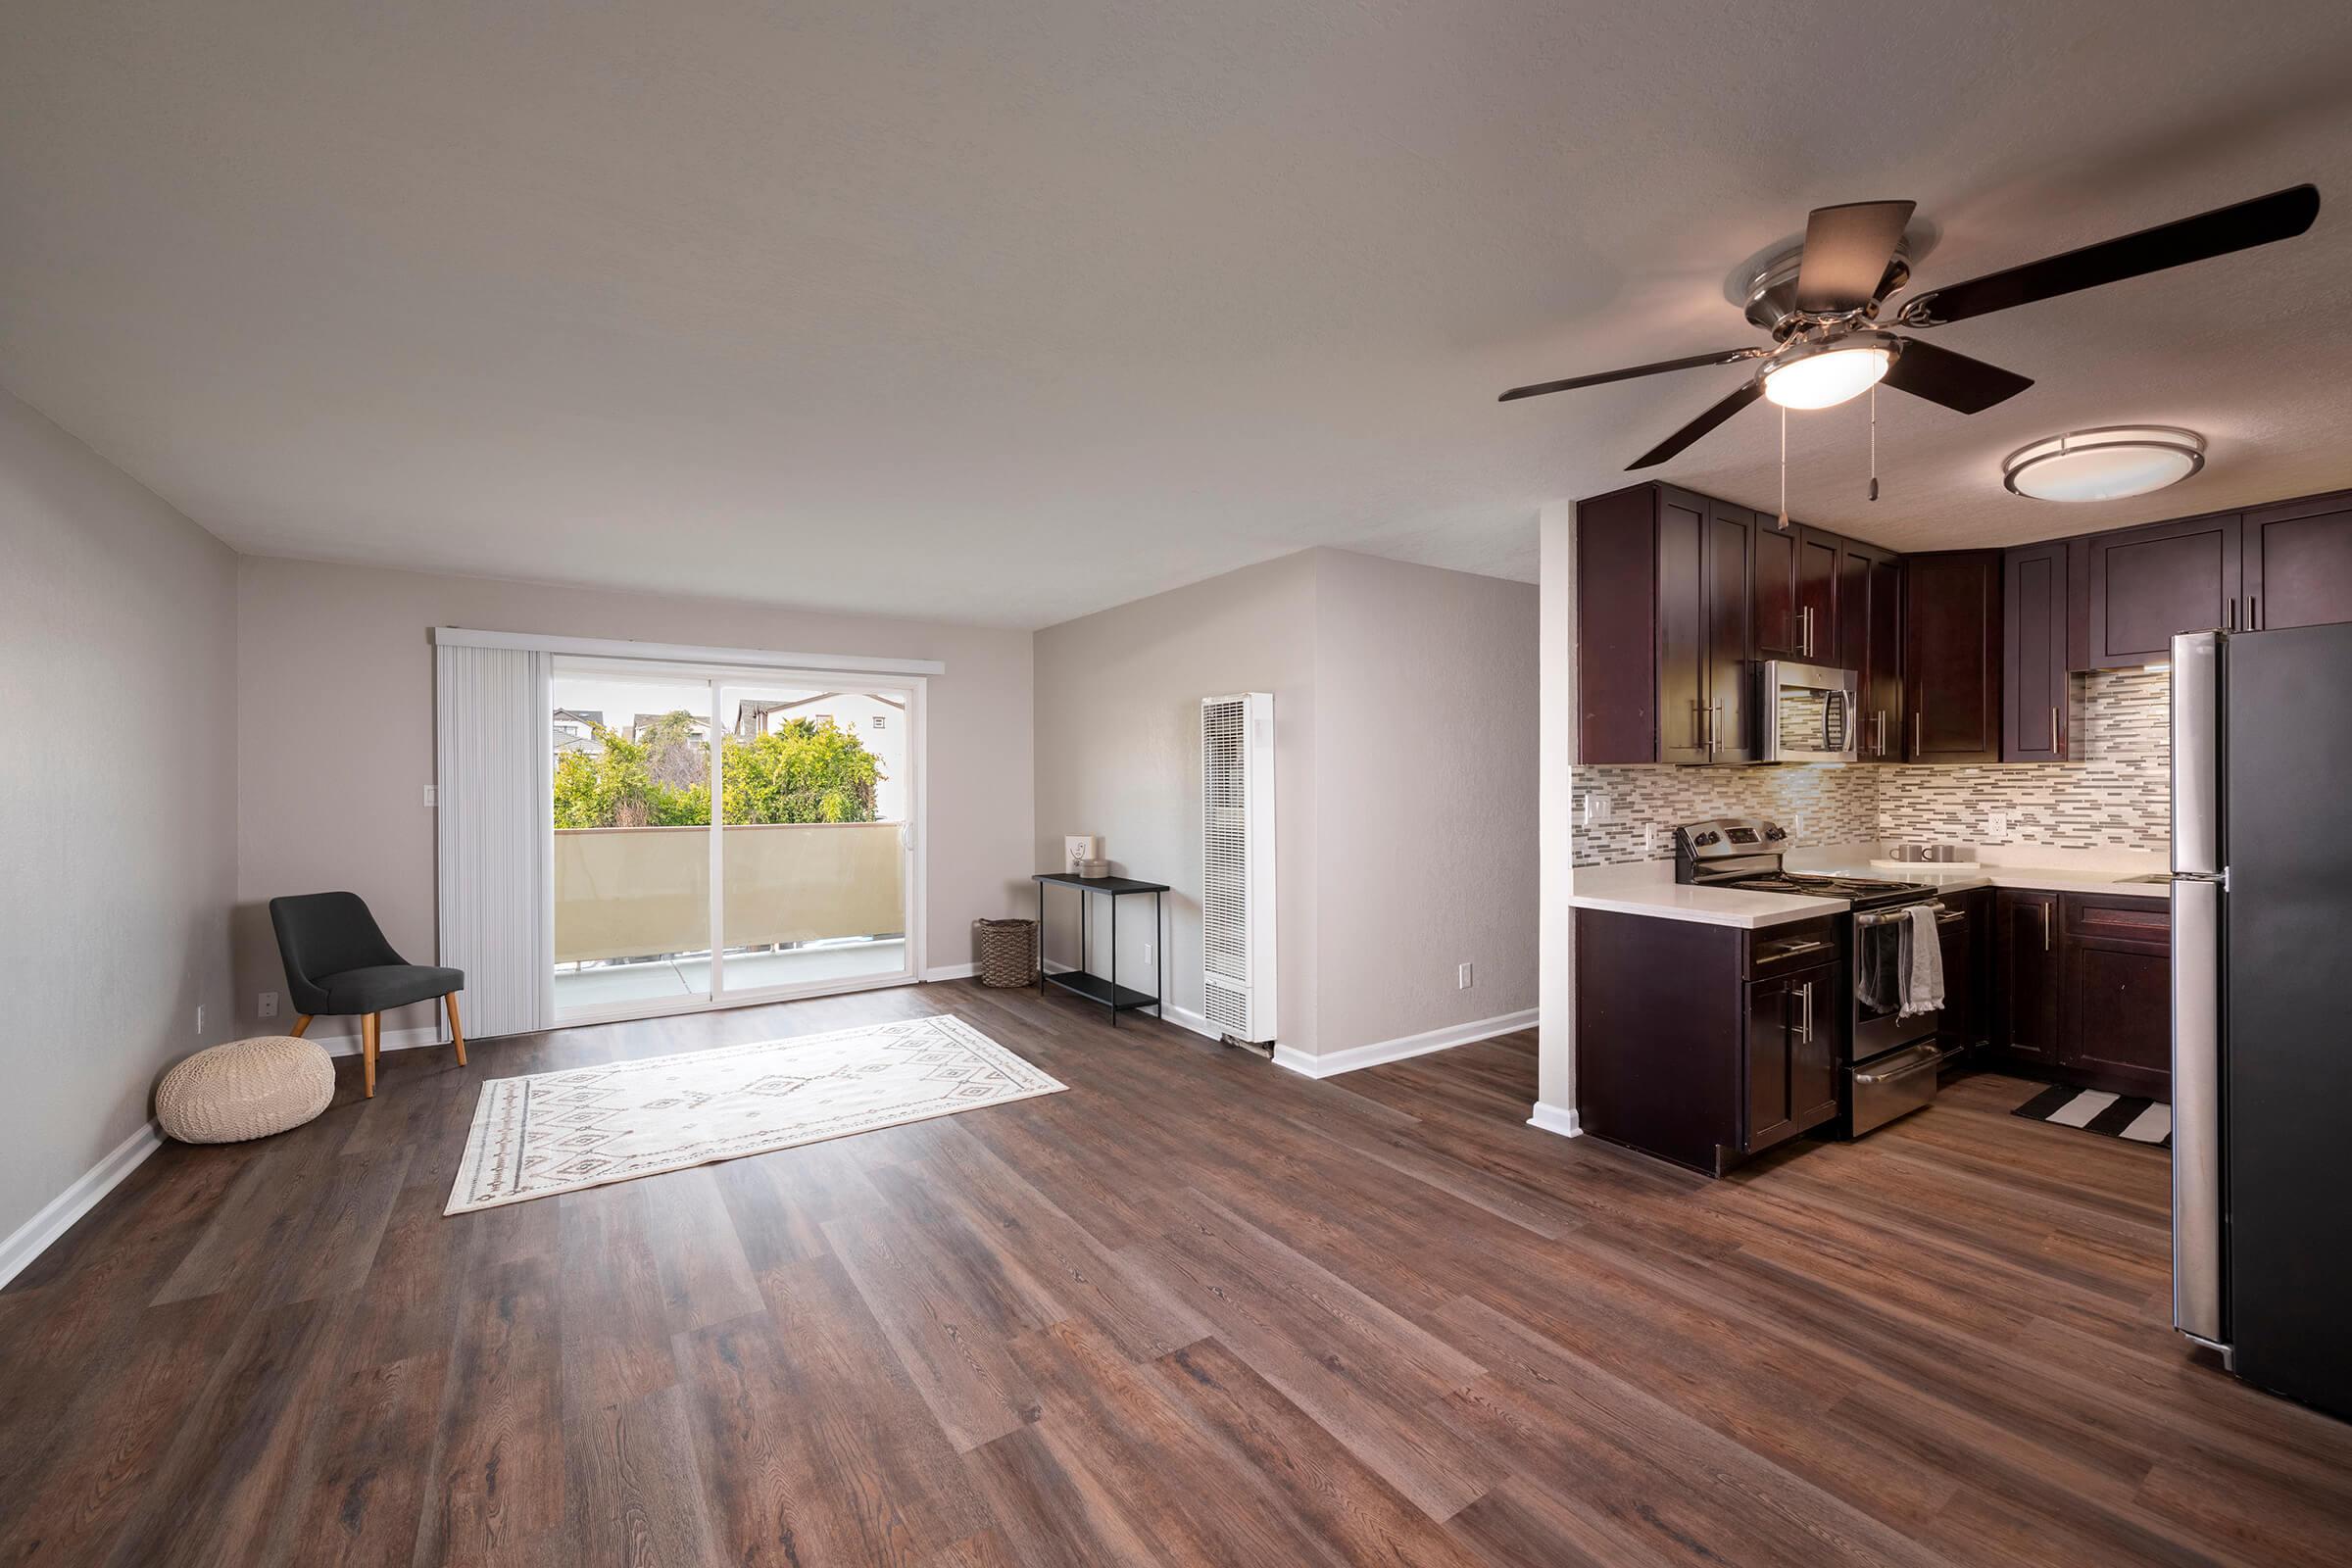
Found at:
[1197, 1310]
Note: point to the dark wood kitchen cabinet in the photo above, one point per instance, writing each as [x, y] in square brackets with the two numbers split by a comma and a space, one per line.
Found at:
[2035, 711]
[1791, 1065]
[2148, 584]
[1878, 642]
[1964, 934]
[2117, 1028]
[1953, 656]
[1665, 605]
[2027, 973]
[1799, 604]
[1706, 1045]
[2295, 565]
[2086, 988]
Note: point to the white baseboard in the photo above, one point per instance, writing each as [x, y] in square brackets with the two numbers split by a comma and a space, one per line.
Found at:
[32, 1238]
[950, 971]
[1185, 1017]
[390, 1039]
[1557, 1120]
[1334, 1062]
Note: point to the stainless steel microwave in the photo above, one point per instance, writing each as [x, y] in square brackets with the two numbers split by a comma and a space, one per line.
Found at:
[1809, 713]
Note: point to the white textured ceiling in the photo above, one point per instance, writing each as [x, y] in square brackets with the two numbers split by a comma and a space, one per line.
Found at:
[1005, 311]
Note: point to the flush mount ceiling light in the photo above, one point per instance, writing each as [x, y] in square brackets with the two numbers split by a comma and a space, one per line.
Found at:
[2106, 464]
[1824, 373]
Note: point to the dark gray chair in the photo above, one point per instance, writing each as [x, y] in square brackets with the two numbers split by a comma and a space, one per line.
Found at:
[340, 965]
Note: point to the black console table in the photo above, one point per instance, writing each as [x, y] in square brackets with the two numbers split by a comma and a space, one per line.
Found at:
[1105, 988]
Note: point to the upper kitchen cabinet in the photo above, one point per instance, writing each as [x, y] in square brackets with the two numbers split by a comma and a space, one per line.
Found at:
[1665, 601]
[1797, 592]
[1870, 643]
[2148, 584]
[2033, 661]
[1953, 656]
[2296, 564]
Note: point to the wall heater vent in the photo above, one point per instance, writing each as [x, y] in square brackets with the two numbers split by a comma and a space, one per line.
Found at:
[1237, 864]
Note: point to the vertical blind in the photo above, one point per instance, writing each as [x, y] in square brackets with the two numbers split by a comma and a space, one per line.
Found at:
[493, 766]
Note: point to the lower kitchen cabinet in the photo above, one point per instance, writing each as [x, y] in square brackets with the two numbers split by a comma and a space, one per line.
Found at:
[2084, 989]
[2118, 1031]
[1964, 932]
[1706, 1044]
[2025, 933]
[1791, 1057]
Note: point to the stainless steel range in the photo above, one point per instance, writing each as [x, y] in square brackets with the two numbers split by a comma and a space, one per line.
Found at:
[1891, 1056]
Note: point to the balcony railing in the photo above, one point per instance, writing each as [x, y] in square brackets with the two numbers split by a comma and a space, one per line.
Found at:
[634, 891]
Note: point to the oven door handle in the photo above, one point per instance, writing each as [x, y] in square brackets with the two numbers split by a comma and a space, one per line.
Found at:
[1911, 1068]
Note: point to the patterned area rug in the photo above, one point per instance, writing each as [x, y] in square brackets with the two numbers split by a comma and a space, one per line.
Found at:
[2095, 1110]
[557, 1132]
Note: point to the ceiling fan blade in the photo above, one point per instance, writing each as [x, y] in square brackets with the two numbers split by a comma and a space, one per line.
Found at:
[1958, 382]
[2281, 215]
[1748, 392]
[1720, 356]
[1846, 252]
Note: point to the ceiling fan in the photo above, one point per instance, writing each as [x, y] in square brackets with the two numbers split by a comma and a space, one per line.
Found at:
[1819, 299]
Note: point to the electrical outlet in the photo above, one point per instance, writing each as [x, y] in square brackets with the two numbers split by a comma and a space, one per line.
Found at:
[1149, 950]
[1649, 838]
[1998, 825]
[1597, 808]
[432, 797]
[1461, 977]
[1797, 826]
[268, 1006]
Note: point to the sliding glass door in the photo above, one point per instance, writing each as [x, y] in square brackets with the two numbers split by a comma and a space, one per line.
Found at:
[723, 837]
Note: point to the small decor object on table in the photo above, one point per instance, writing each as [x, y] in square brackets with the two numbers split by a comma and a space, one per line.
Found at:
[1007, 952]
[245, 1089]
[1106, 989]
[1077, 848]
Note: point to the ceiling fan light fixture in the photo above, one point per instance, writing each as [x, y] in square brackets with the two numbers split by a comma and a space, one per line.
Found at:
[1822, 376]
[2107, 463]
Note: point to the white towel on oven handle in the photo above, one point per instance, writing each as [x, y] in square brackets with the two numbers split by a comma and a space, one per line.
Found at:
[1923, 963]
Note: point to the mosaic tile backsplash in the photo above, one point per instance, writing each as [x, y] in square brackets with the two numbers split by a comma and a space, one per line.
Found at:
[2117, 794]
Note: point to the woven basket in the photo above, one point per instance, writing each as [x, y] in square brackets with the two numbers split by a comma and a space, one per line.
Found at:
[1006, 951]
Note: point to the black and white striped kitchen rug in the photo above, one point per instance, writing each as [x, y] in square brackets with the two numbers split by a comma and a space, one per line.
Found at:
[2095, 1110]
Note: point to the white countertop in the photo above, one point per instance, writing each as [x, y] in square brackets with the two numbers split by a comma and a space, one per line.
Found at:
[2017, 865]
[1648, 887]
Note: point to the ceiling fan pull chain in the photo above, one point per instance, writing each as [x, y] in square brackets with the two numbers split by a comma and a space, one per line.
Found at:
[1873, 443]
[1783, 524]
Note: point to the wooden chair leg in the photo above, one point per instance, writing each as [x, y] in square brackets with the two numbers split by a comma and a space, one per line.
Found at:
[371, 1029]
[300, 1024]
[456, 1034]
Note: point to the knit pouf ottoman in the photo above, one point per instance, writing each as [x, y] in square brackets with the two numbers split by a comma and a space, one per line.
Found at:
[245, 1089]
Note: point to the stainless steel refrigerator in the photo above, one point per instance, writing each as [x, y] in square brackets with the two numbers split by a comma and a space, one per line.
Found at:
[2262, 1005]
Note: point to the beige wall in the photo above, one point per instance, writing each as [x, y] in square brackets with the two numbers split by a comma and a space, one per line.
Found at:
[1118, 753]
[336, 720]
[117, 802]
[1404, 780]
[1425, 750]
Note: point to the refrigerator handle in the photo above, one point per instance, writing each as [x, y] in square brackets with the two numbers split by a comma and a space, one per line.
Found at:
[2197, 1261]
[2197, 753]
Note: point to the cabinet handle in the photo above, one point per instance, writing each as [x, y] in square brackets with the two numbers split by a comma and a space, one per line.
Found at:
[1807, 612]
[1715, 729]
[2045, 926]
[1919, 732]
[1698, 724]
[2230, 616]
[1804, 1022]
[1882, 732]
[2053, 732]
